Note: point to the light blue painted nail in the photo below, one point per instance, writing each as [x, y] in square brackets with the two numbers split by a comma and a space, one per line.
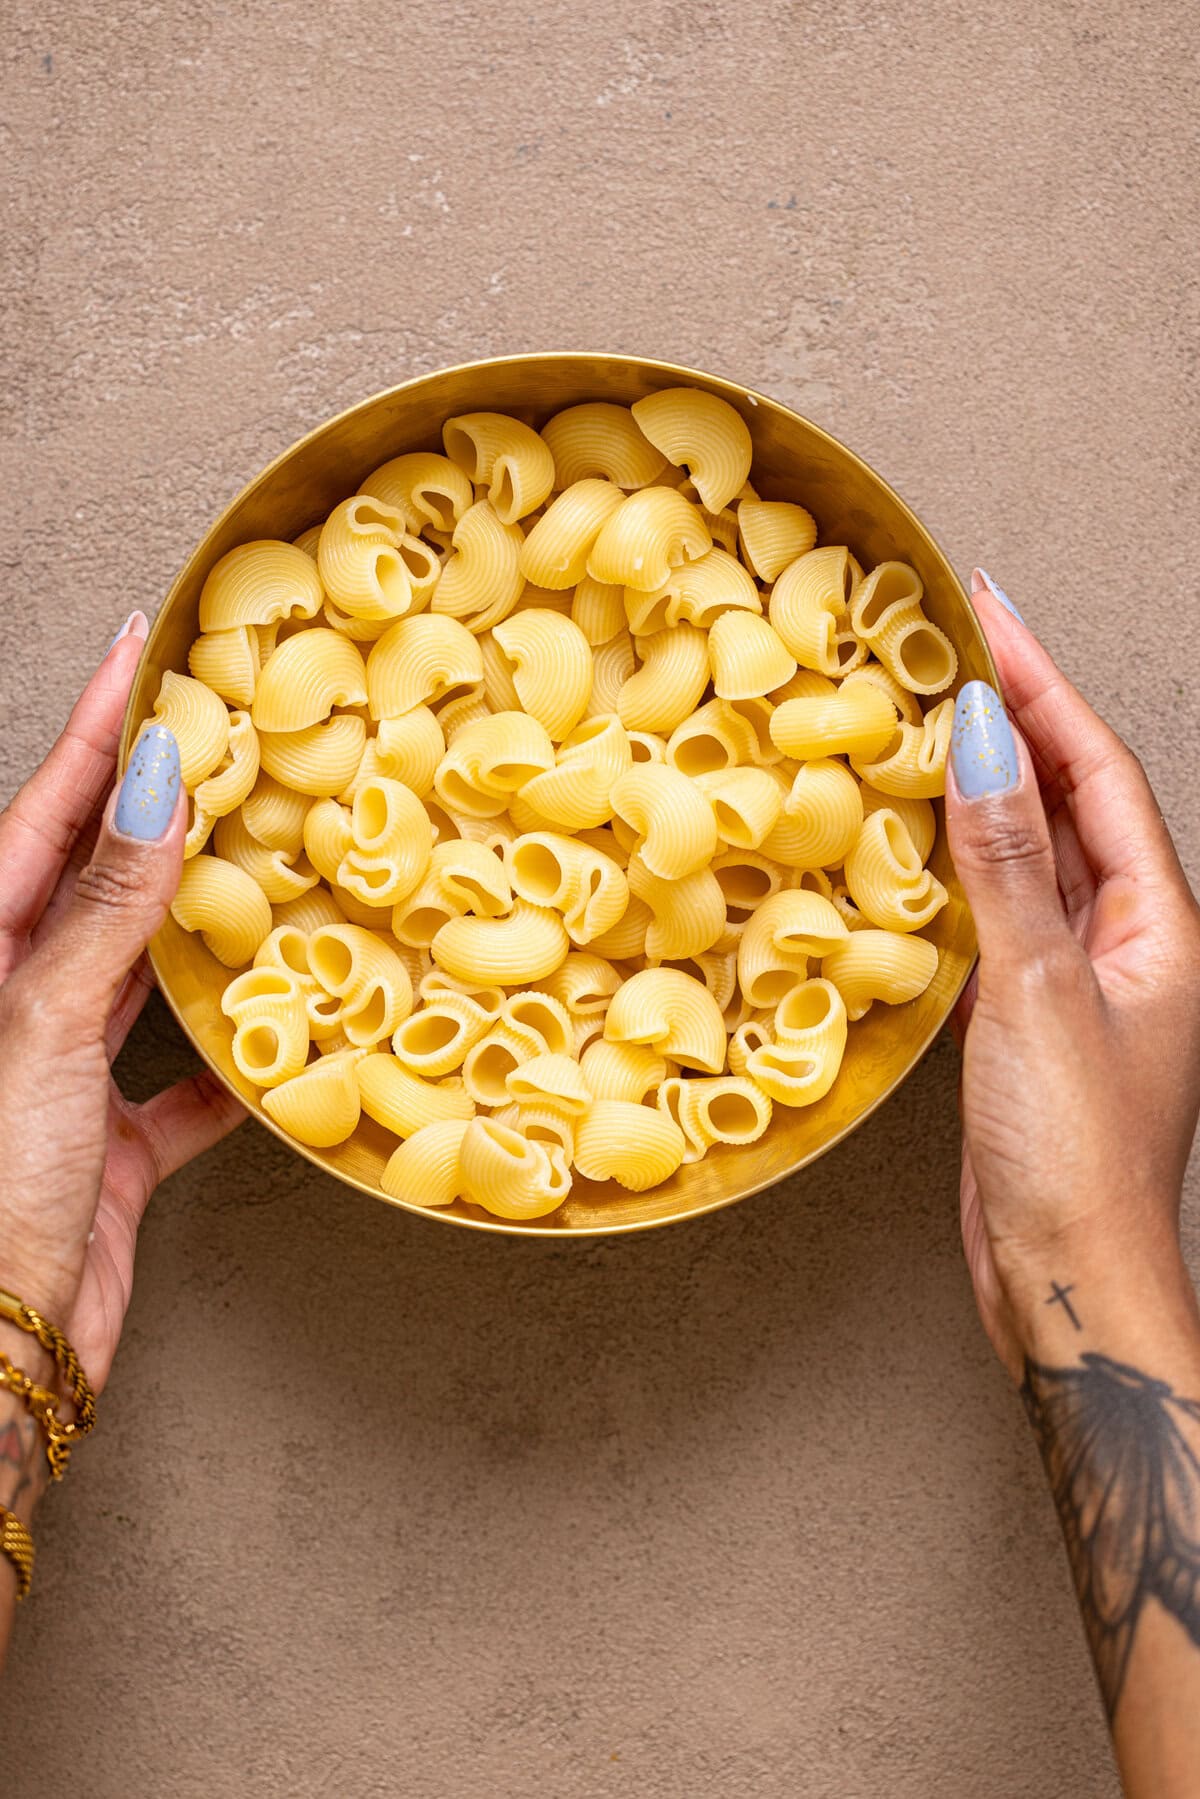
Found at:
[135, 618]
[146, 802]
[982, 748]
[998, 593]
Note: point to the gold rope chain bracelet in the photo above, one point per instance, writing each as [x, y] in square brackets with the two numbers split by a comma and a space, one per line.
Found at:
[17, 1544]
[61, 1434]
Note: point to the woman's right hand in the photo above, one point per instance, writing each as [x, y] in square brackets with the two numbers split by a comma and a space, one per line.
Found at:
[1081, 1058]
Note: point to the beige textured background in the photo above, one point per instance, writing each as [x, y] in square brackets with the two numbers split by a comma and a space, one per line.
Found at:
[378, 1507]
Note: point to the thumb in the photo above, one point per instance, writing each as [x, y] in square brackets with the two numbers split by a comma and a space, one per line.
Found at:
[123, 893]
[998, 834]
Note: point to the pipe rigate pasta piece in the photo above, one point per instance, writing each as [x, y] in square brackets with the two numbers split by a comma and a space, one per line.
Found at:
[280, 876]
[199, 721]
[688, 914]
[722, 1108]
[577, 791]
[584, 984]
[812, 1014]
[746, 878]
[490, 760]
[702, 432]
[773, 534]
[627, 1071]
[612, 666]
[372, 569]
[481, 580]
[434, 1040]
[506, 1174]
[308, 676]
[406, 749]
[319, 1106]
[320, 760]
[551, 667]
[671, 1013]
[392, 840]
[424, 1169]
[425, 488]
[510, 456]
[673, 819]
[600, 440]
[526, 946]
[309, 911]
[328, 837]
[821, 817]
[258, 584]
[792, 1074]
[907, 705]
[401, 1101]
[780, 938]
[695, 593]
[286, 949]
[358, 968]
[235, 774]
[270, 1039]
[648, 535]
[461, 877]
[667, 687]
[887, 965]
[419, 661]
[885, 610]
[748, 658]
[599, 610]
[746, 803]
[886, 879]
[713, 737]
[550, 1095]
[555, 553]
[228, 662]
[587, 887]
[227, 907]
[636, 1146]
[917, 816]
[858, 720]
[912, 764]
[808, 603]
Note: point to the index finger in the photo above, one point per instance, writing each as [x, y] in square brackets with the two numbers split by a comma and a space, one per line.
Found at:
[41, 824]
[1077, 755]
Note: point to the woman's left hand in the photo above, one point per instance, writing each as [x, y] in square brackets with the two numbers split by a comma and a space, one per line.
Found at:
[86, 877]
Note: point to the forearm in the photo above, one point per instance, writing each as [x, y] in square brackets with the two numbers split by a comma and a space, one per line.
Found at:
[1112, 1389]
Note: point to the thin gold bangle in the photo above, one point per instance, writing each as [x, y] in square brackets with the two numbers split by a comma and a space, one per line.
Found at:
[17, 1544]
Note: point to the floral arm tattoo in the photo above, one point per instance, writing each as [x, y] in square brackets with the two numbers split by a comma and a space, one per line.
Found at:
[1122, 1454]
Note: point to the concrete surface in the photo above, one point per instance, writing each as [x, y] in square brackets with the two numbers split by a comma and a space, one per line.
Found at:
[740, 1508]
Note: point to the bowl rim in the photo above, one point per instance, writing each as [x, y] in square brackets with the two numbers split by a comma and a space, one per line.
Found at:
[539, 1228]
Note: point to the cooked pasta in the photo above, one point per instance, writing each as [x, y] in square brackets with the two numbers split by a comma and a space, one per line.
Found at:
[561, 803]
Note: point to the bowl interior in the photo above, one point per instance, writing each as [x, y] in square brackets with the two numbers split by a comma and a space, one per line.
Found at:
[793, 459]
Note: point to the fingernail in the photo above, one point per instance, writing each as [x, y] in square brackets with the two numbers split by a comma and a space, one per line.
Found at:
[146, 802]
[997, 593]
[136, 625]
[983, 750]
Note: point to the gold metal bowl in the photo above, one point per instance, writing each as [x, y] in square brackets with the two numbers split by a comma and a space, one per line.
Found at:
[793, 459]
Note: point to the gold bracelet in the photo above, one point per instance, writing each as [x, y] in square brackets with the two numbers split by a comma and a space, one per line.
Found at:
[61, 1434]
[17, 1544]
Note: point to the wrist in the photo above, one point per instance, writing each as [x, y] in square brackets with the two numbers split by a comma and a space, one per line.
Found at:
[1128, 1297]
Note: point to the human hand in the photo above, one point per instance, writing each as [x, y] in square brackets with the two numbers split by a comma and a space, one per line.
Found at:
[1081, 1054]
[84, 885]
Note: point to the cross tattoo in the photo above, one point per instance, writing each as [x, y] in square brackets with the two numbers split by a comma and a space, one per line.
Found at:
[1058, 1296]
